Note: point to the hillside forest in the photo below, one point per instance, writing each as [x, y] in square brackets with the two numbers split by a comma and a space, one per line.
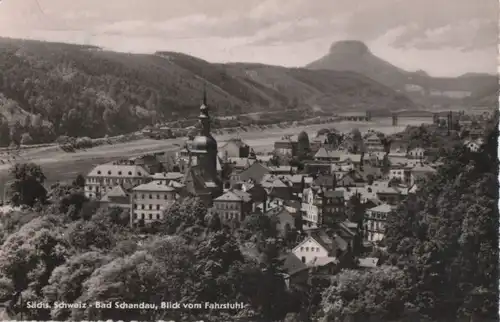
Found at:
[49, 90]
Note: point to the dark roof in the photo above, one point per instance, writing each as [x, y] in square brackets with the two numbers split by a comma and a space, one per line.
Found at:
[292, 264]
[334, 194]
[324, 180]
[256, 172]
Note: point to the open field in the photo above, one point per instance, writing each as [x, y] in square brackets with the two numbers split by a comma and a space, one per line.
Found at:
[61, 166]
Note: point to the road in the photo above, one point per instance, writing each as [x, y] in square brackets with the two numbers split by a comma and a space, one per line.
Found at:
[61, 166]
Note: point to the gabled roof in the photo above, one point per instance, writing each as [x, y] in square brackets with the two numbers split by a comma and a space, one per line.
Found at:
[117, 191]
[153, 187]
[334, 194]
[119, 170]
[167, 176]
[423, 168]
[323, 261]
[255, 172]
[292, 264]
[235, 195]
[385, 208]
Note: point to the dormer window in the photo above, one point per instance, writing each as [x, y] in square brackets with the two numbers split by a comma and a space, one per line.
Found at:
[109, 172]
[99, 172]
[130, 173]
[139, 174]
[119, 173]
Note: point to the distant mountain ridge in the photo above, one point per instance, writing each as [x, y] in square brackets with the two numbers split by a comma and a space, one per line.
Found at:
[86, 91]
[351, 55]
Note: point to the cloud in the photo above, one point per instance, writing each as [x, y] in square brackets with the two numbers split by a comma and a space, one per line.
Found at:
[289, 32]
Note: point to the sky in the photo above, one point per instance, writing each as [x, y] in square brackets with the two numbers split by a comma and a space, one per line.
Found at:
[441, 37]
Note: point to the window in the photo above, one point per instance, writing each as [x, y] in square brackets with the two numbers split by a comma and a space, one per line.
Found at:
[307, 249]
[135, 215]
[317, 249]
[301, 249]
[142, 206]
[157, 207]
[119, 173]
[142, 196]
[99, 172]
[150, 196]
[109, 172]
[150, 216]
[135, 206]
[303, 259]
[165, 196]
[130, 173]
[150, 207]
[158, 216]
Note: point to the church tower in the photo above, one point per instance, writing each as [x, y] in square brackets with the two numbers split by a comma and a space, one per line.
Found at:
[204, 146]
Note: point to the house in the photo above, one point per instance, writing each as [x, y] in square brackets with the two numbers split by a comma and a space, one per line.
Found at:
[322, 207]
[326, 155]
[473, 145]
[233, 205]
[106, 176]
[392, 195]
[417, 153]
[234, 148]
[257, 192]
[420, 172]
[150, 200]
[117, 197]
[286, 147]
[375, 221]
[295, 271]
[400, 173]
[150, 162]
[276, 187]
[318, 245]
[296, 181]
[373, 143]
[350, 179]
[255, 172]
[315, 167]
[282, 169]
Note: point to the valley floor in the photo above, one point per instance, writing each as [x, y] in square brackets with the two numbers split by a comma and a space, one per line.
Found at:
[61, 166]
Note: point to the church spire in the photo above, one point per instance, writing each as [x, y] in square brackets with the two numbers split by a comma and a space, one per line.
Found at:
[204, 117]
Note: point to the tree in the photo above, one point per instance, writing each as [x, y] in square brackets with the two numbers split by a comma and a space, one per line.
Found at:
[4, 134]
[303, 147]
[382, 294]
[66, 281]
[27, 186]
[28, 258]
[79, 181]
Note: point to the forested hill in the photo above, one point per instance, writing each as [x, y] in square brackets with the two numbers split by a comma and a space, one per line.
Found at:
[84, 91]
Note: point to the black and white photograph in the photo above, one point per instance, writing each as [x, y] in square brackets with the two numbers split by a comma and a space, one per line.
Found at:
[249, 160]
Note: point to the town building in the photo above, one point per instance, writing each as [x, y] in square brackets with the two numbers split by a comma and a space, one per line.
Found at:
[117, 197]
[234, 148]
[373, 143]
[417, 153]
[319, 250]
[322, 207]
[233, 205]
[375, 222]
[286, 147]
[149, 202]
[105, 177]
